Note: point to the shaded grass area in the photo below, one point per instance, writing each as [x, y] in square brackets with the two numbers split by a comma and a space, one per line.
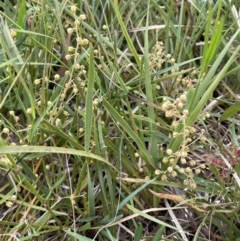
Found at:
[112, 124]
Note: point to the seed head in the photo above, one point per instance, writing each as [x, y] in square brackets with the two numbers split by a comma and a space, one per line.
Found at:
[73, 9]
[157, 172]
[82, 17]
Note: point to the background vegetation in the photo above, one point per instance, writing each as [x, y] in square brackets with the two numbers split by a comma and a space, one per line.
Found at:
[119, 120]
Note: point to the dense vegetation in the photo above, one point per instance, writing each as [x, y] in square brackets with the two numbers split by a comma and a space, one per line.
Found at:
[119, 120]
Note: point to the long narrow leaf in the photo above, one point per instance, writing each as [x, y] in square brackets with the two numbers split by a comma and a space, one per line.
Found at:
[89, 100]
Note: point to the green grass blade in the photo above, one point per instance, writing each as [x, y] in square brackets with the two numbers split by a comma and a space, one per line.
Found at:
[151, 218]
[126, 35]
[127, 129]
[149, 95]
[77, 236]
[230, 112]
[48, 149]
[89, 100]
[131, 196]
[22, 18]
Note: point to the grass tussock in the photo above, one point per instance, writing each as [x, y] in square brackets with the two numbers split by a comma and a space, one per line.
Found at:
[119, 120]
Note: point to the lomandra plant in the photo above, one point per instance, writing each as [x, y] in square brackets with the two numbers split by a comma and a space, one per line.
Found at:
[101, 109]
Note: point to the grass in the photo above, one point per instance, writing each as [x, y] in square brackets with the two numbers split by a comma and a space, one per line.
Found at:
[119, 120]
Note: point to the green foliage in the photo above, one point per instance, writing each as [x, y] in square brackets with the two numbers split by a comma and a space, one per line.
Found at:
[102, 101]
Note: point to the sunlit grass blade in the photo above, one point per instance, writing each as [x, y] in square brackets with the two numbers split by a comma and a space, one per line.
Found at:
[213, 46]
[48, 149]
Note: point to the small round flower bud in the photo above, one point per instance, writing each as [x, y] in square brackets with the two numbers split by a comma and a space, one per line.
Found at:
[56, 77]
[183, 154]
[191, 175]
[81, 130]
[177, 154]
[203, 139]
[189, 140]
[180, 105]
[77, 22]
[175, 124]
[63, 96]
[169, 169]
[71, 49]
[82, 17]
[192, 163]
[95, 102]
[65, 113]
[157, 172]
[104, 27]
[197, 171]
[193, 185]
[169, 151]
[186, 148]
[174, 174]
[181, 170]
[165, 105]
[75, 90]
[58, 122]
[13, 33]
[68, 57]
[165, 160]
[136, 154]
[164, 177]
[183, 161]
[79, 40]
[68, 85]
[77, 66]
[169, 113]
[70, 30]
[207, 115]
[12, 112]
[202, 166]
[14, 197]
[194, 72]
[175, 134]
[5, 130]
[185, 112]
[183, 97]
[73, 9]
[85, 41]
[47, 167]
[171, 160]
[9, 204]
[177, 167]
[37, 81]
[192, 130]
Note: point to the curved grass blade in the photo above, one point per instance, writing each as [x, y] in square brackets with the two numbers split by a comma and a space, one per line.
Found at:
[231, 111]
